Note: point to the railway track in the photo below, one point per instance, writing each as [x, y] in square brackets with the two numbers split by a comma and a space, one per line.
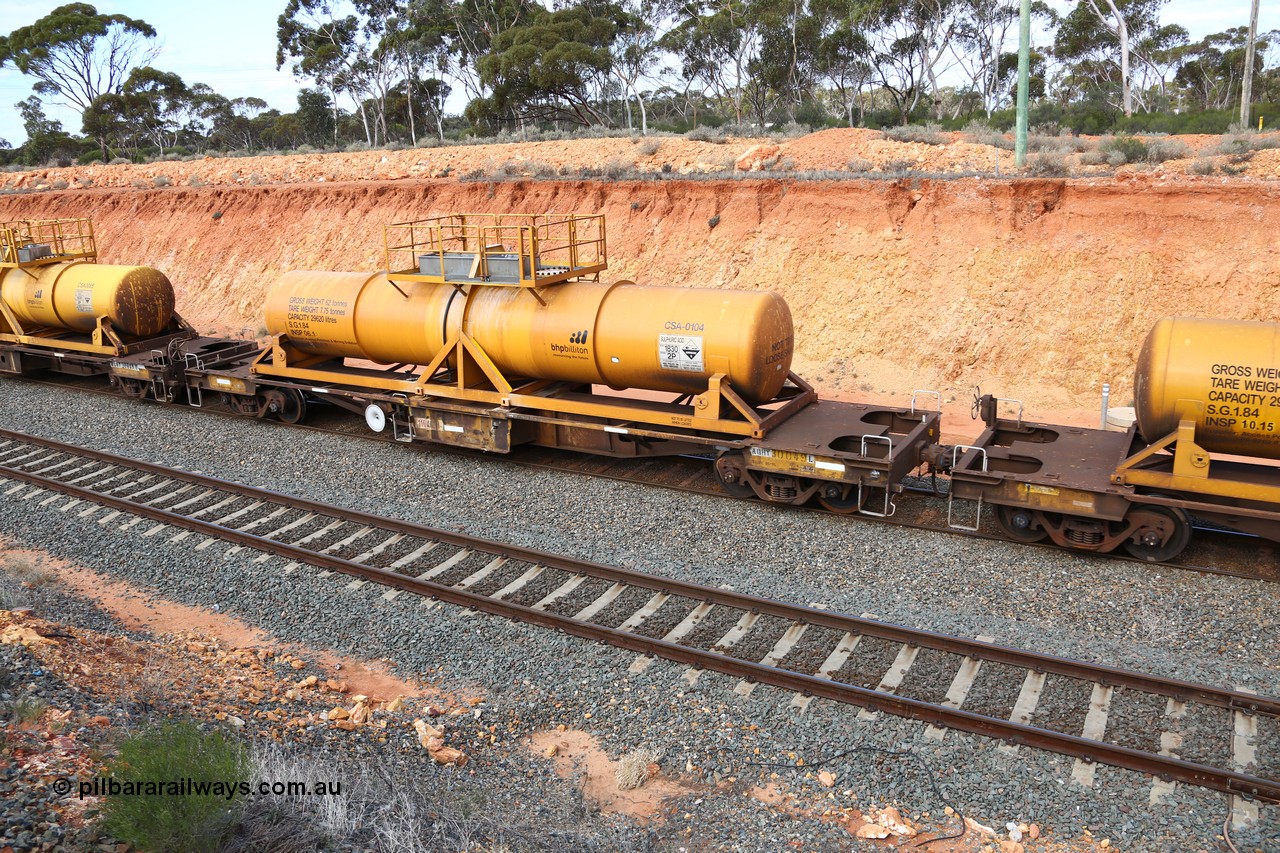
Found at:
[810, 652]
[1213, 552]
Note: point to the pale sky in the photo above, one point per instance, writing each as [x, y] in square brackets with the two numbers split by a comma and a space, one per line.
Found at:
[234, 51]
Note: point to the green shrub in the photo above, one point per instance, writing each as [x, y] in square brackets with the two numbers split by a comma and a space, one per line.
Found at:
[615, 168]
[1240, 140]
[25, 708]
[1160, 150]
[162, 181]
[706, 134]
[191, 822]
[898, 166]
[1124, 149]
[1067, 144]
[1048, 164]
[930, 134]
[982, 133]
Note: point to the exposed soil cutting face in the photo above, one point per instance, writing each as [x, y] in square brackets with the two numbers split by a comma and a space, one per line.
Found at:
[1039, 290]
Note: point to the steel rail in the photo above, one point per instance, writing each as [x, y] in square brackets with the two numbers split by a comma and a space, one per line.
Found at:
[1166, 767]
[1113, 676]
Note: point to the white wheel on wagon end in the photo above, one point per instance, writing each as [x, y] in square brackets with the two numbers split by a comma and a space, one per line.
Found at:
[375, 417]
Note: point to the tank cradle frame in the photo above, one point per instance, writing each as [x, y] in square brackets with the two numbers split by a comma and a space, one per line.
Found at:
[103, 340]
[476, 379]
[1232, 492]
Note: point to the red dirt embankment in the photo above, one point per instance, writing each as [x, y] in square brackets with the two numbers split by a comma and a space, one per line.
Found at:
[1036, 289]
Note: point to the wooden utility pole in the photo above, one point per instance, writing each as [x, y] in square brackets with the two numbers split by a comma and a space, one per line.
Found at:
[1246, 90]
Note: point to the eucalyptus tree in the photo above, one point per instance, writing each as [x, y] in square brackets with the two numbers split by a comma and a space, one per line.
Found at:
[1211, 71]
[1099, 40]
[45, 136]
[909, 41]
[550, 68]
[637, 49]
[784, 74]
[336, 44]
[716, 42]
[844, 61]
[77, 54]
[474, 25]
[155, 103]
[320, 44]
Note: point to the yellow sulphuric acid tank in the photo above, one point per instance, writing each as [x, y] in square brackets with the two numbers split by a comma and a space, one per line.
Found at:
[137, 300]
[622, 335]
[1223, 373]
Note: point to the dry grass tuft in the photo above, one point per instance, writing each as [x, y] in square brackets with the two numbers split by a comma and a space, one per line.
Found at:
[28, 572]
[633, 768]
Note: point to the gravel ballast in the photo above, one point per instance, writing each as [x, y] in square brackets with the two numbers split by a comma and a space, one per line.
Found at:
[1214, 629]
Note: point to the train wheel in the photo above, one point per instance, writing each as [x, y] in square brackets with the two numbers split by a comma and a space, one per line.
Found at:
[835, 503]
[1163, 532]
[733, 476]
[286, 404]
[1015, 523]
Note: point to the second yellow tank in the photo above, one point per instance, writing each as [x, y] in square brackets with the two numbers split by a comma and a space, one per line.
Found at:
[622, 335]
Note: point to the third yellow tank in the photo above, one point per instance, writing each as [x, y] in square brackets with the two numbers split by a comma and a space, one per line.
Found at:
[1224, 374]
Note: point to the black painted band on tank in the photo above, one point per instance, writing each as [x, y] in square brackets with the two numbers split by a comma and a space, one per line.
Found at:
[444, 319]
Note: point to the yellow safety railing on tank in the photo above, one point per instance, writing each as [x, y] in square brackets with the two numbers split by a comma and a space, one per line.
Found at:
[508, 249]
[66, 239]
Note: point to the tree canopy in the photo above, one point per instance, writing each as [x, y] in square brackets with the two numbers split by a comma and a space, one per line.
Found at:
[77, 54]
[386, 71]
